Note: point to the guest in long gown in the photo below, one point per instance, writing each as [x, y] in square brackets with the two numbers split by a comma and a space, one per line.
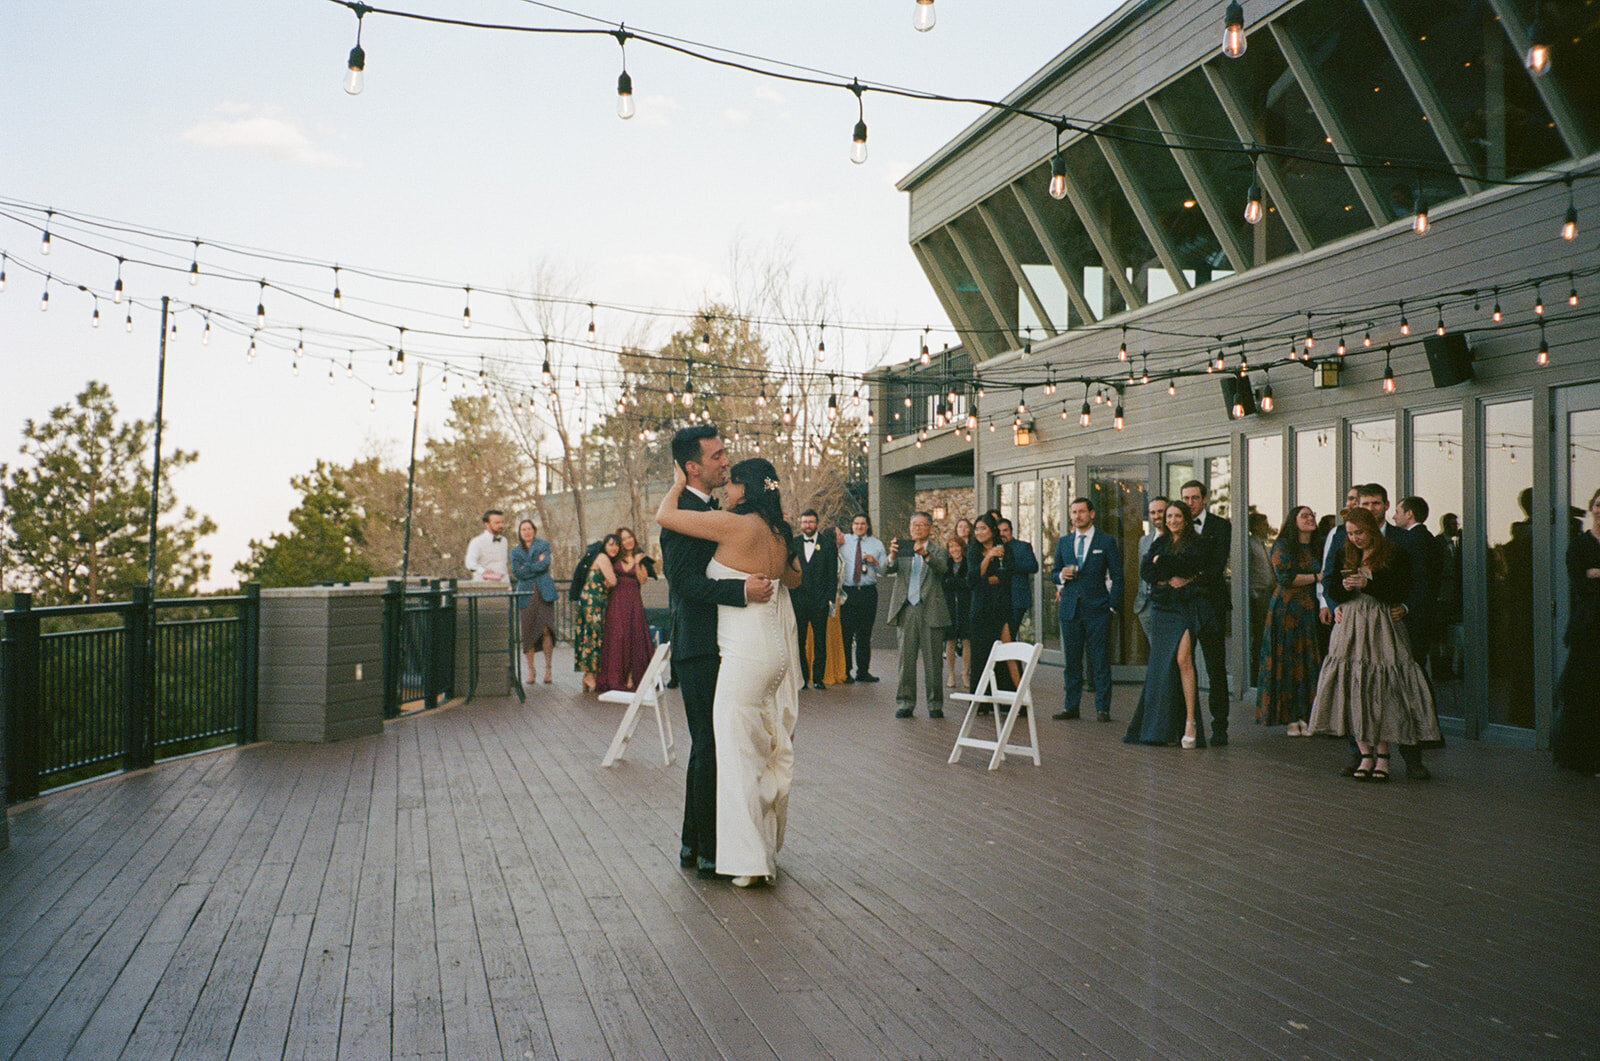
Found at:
[536, 596]
[958, 601]
[1168, 709]
[625, 648]
[589, 636]
[1575, 739]
[1291, 650]
[989, 572]
[1371, 688]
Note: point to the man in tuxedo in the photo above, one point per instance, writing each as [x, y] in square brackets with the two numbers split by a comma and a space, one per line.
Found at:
[1374, 497]
[1022, 576]
[819, 578]
[1157, 511]
[1085, 561]
[1411, 516]
[1216, 537]
[917, 609]
[694, 598]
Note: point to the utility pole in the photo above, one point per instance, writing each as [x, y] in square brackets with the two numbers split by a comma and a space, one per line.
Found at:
[155, 477]
[411, 481]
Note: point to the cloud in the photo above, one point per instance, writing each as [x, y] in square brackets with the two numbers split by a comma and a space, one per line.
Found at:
[736, 116]
[261, 134]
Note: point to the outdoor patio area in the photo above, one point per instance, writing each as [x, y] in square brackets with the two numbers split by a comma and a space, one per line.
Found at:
[472, 883]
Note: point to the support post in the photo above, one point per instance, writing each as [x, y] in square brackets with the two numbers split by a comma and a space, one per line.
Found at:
[19, 699]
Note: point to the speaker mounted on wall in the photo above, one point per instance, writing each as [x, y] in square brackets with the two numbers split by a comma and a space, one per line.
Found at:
[1449, 359]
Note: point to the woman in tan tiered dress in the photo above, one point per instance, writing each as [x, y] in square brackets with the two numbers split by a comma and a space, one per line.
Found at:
[1371, 688]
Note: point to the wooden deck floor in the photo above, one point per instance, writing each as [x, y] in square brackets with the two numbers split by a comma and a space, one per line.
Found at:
[472, 884]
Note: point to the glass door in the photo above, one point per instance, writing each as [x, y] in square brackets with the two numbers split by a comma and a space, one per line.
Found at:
[1577, 469]
[1120, 501]
[1035, 503]
[1507, 530]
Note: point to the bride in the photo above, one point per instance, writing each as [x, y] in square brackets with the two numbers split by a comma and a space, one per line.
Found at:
[758, 683]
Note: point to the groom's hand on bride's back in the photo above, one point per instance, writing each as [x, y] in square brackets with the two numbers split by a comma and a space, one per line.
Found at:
[757, 589]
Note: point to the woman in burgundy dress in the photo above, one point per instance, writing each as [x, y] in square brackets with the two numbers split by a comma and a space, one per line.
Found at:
[625, 649]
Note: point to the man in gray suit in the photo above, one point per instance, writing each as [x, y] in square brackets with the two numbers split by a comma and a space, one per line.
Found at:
[918, 610]
[1141, 598]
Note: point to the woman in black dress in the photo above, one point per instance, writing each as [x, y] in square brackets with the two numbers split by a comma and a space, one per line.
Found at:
[990, 567]
[1575, 739]
[958, 599]
[1168, 707]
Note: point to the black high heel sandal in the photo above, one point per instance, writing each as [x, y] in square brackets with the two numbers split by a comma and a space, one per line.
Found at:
[1380, 773]
[1363, 772]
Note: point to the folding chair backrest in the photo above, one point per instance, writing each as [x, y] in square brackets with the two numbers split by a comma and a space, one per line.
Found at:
[653, 680]
[1005, 652]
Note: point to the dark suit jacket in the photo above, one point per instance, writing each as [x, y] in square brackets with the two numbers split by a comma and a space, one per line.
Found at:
[1418, 542]
[692, 596]
[1217, 537]
[1085, 594]
[819, 579]
[1022, 583]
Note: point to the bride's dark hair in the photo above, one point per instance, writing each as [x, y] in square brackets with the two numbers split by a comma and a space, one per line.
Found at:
[760, 481]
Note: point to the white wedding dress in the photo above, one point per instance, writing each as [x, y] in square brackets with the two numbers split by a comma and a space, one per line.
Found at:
[753, 716]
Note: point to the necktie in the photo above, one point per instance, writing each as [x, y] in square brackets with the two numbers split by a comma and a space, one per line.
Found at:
[914, 590]
[856, 578]
[1083, 540]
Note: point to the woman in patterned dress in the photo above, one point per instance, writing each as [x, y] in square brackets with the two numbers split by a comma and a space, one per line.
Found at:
[590, 634]
[1291, 650]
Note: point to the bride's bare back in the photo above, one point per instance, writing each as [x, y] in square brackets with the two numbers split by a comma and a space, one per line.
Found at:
[750, 545]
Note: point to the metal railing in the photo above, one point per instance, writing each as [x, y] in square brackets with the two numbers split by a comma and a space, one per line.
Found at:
[419, 644]
[90, 689]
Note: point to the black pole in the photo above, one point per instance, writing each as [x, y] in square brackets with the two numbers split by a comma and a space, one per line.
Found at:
[411, 481]
[155, 476]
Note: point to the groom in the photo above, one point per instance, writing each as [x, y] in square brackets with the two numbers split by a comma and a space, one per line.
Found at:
[694, 599]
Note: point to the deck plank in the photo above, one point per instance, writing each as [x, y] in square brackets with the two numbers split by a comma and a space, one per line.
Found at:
[471, 882]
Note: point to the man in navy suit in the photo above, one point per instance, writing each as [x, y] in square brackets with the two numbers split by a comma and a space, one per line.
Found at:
[1085, 561]
[1374, 497]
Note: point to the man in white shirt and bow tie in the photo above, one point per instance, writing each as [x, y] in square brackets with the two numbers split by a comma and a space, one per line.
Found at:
[1087, 561]
[489, 554]
[818, 551]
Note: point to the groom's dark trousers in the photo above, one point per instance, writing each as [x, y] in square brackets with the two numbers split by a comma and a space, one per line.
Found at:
[694, 599]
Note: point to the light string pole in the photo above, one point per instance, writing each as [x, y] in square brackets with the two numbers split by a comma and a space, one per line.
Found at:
[411, 484]
[155, 471]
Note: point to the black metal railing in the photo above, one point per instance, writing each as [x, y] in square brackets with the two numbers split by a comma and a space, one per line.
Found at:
[419, 645]
[90, 689]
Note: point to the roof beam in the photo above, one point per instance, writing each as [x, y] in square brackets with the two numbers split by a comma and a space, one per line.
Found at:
[1266, 165]
[1052, 251]
[1102, 242]
[1305, 72]
[991, 297]
[1398, 42]
[950, 298]
[1204, 193]
[1143, 211]
[1555, 100]
[1015, 265]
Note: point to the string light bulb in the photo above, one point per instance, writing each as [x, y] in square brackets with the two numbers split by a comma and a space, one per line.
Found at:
[356, 68]
[127, 322]
[1085, 414]
[1311, 338]
[116, 288]
[205, 333]
[1388, 373]
[1058, 168]
[1538, 300]
[1122, 351]
[761, 397]
[1495, 314]
[1537, 59]
[1144, 369]
[44, 297]
[1117, 419]
[350, 366]
[924, 357]
[923, 18]
[194, 265]
[466, 311]
[400, 355]
[1419, 213]
[1543, 357]
[1405, 325]
[2, 272]
[833, 407]
[1572, 291]
[1253, 210]
[261, 306]
[1172, 388]
[858, 135]
[625, 109]
[1569, 224]
[822, 346]
[44, 241]
[338, 297]
[591, 324]
[1438, 329]
[1233, 39]
[1266, 393]
[94, 320]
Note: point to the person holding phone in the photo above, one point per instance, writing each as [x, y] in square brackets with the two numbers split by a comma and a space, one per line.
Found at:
[919, 612]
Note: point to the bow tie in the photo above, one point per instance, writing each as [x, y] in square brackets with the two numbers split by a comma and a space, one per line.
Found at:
[497, 537]
[714, 503]
[811, 541]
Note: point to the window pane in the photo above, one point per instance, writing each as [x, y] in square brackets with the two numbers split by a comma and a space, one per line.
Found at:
[1316, 475]
[1172, 202]
[1110, 212]
[1372, 453]
[1050, 494]
[1508, 532]
[1436, 478]
[1119, 496]
[1264, 462]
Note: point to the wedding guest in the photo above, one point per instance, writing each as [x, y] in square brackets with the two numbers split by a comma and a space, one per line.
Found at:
[488, 555]
[1156, 512]
[1575, 738]
[1291, 651]
[964, 532]
[862, 557]
[591, 619]
[818, 551]
[1258, 544]
[1022, 578]
[1168, 709]
[989, 573]
[958, 602]
[1086, 562]
[536, 596]
[625, 647]
[1370, 687]
[918, 612]
[1216, 535]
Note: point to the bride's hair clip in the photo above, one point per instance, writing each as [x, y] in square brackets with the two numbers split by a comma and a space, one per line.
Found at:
[770, 484]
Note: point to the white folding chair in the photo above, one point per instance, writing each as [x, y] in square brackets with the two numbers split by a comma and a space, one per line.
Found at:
[646, 694]
[1006, 705]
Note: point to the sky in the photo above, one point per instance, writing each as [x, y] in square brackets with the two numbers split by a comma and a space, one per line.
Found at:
[493, 159]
